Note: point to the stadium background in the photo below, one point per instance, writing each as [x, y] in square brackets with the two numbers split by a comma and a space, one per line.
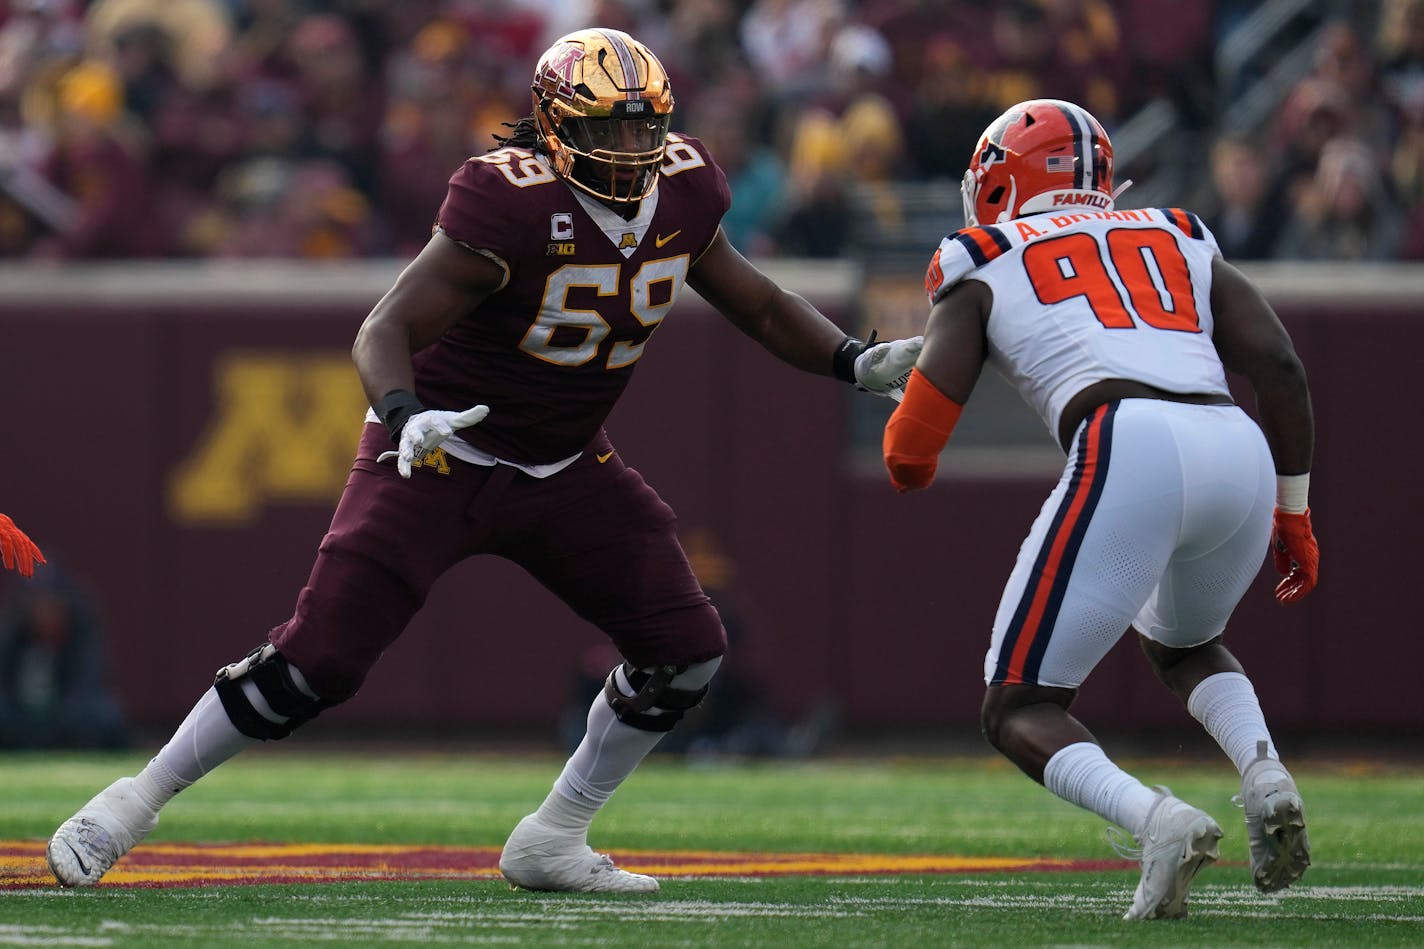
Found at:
[177, 305]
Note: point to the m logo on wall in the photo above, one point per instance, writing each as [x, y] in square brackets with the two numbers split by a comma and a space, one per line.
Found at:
[283, 429]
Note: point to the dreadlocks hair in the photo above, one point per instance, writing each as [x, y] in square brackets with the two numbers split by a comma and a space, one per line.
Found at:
[525, 134]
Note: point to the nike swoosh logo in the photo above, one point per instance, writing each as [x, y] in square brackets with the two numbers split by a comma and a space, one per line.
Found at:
[78, 859]
[660, 240]
[604, 456]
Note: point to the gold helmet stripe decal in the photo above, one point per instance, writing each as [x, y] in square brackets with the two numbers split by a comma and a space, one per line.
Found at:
[625, 59]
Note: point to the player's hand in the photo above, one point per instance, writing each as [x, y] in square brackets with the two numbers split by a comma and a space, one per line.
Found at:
[17, 550]
[911, 474]
[884, 367]
[1296, 555]
[424, 431]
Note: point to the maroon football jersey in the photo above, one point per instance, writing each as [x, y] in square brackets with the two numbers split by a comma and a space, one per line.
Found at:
[551, 350]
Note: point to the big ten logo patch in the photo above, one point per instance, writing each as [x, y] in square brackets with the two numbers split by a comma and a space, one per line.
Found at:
[284, 428]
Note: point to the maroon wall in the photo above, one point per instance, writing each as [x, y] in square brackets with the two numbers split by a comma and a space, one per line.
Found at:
[178, 441]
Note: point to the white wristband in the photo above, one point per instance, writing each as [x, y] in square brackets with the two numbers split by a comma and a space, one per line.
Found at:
[1293, 493]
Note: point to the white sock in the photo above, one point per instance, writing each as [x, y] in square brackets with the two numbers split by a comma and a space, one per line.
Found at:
[1226, 705]
[205, 740]
[1082, 774]
[609, 752]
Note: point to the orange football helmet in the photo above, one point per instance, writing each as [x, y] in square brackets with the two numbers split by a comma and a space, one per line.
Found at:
[1040, 155]
[602, 105]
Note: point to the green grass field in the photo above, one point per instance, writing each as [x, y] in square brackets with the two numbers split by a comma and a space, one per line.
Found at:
[1365, 889]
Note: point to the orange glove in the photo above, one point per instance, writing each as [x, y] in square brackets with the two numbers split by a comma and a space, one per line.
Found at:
[1296, 555]
[17, 550]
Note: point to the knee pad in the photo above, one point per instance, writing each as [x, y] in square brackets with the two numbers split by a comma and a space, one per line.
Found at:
[655, 699]
[265, 696]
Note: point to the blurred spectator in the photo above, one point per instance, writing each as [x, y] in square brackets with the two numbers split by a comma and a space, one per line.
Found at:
[1089, 62]
[1401, 52]
[1343, 57]
[754, 174]
[849, 137]
[703, 46]
[1345, 211]
[914, 27]
[197, 33]
[52, 688]
[339, 95]
[1249, 208]
[444, 105]
[18, 227]
[98, 161]
[398, 95]
[949, 112]
[275, 207]
[1400, 46]
[36, 37]
[1316, 111]
[260, 31]
[1019, 46]
[786, 41]
[559, 17]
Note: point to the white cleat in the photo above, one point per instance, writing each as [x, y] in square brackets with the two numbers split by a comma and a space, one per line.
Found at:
[1275, 823]
[1178, 842]
[84, 847]
[538, 857]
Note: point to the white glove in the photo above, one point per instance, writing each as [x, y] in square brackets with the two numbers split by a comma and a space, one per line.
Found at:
[424, 432]
[885, 367]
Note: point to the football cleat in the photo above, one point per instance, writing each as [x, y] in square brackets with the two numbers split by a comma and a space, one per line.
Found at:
[538, 857]
[1178, 842]
[602, 106]
[1275, 823]
[113, 822]
[1040, 155]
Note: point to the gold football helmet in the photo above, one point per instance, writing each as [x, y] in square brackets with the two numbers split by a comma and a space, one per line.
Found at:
[602, 105]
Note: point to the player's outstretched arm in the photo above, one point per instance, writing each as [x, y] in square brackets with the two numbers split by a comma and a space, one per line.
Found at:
[1252, 342]
[793, 330]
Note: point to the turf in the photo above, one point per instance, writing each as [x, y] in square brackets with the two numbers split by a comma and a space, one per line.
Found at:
[1365, 889]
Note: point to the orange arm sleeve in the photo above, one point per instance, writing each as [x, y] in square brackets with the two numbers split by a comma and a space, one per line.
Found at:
[917, 432]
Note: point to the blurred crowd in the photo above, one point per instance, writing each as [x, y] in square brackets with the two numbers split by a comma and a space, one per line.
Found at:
[328, 128]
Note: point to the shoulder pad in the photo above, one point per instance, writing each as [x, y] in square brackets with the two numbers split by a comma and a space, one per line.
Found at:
[1190, 225]
[505, 167]
[960, 254]
[687, 155]
[488, 198]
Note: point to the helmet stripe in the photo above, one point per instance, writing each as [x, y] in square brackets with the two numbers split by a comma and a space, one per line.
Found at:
[1085, 137]
[625, 59]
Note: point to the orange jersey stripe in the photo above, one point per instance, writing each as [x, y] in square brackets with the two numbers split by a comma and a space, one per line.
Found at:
[987, 244]
[1180, 218]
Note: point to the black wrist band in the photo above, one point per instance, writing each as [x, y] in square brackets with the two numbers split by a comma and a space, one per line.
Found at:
[395, 409]
[843, 362]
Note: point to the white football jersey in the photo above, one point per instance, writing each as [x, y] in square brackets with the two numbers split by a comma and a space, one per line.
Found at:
[1085, 296]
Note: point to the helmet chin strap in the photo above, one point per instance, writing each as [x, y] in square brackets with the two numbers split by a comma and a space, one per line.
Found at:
[1008, 213]
[1121, 188]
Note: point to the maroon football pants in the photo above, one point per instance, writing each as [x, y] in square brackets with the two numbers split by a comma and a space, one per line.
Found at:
[595, 534]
